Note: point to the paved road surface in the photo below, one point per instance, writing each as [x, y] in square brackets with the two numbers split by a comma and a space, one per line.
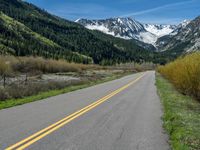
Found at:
[128, 119]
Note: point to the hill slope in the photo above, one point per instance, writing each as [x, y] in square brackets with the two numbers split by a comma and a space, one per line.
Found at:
[187, 38]
[17, 39]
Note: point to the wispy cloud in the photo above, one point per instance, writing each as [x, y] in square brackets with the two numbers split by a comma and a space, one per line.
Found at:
[157, 8]
[80, 10]
[89, 10]
[161, 20]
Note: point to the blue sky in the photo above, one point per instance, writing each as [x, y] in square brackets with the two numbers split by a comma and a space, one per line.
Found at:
[147, 11]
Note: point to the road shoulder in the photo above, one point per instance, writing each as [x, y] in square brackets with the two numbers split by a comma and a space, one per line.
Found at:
[181, 116]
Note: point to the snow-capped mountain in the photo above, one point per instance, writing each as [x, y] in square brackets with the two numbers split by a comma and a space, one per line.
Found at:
[128, 28]
[184, 37]
[121, 27]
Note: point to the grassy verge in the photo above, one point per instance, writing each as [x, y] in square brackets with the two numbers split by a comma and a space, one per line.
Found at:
[181, 116]
[15, 102]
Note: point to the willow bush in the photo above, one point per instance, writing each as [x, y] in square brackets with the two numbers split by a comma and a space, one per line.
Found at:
[184, 73]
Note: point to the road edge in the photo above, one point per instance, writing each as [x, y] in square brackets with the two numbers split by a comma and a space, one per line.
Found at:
[16, 102]
[181, 116]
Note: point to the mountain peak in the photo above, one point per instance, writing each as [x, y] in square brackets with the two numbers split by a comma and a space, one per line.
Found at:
[123, 18]
[126, 28]
[184, 23]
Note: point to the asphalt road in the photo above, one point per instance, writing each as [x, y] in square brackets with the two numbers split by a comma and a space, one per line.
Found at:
[127, 119]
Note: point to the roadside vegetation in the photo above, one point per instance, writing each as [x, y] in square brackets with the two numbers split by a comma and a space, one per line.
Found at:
[40, 93]
[13, 64]
[26, 79]
[26, 76]
[179, 89]
[181, 116]
[184, 73]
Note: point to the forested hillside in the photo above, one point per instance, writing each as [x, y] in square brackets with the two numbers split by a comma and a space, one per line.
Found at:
[19, 40]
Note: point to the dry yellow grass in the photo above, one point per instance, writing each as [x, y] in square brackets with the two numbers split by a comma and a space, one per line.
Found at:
[184, 73]
[5, 64]
[31, 64]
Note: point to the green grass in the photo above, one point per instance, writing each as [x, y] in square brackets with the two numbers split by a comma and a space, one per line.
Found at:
[43, 95]
[181, 116]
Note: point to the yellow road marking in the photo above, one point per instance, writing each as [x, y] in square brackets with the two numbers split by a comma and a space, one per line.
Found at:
[46, 131]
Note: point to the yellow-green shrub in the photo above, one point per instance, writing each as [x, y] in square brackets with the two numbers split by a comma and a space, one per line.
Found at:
[184, 73]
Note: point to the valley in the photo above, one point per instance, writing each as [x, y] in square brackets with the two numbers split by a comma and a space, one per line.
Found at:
[125, 75]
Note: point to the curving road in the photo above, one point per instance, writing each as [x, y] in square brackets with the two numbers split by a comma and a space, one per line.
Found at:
[123, 114]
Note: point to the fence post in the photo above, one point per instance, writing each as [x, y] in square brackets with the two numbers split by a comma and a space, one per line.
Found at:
[4, 80]
[26, 79]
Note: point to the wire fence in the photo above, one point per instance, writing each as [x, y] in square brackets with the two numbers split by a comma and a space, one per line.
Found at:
[10, 80]
[20, 86]
[24, 79]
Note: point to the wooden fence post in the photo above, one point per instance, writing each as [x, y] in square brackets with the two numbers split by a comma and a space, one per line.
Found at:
[4, 80]
[26, 79]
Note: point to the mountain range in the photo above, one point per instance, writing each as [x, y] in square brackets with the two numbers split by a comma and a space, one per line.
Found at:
[27, 30]
[128, 28]
[176, 38]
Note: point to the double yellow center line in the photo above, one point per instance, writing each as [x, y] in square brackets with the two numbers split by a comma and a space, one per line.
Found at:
[48, 130]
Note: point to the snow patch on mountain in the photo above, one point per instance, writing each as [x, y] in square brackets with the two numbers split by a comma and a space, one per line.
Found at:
[100, 28]
[159, 30]
[148, 37]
